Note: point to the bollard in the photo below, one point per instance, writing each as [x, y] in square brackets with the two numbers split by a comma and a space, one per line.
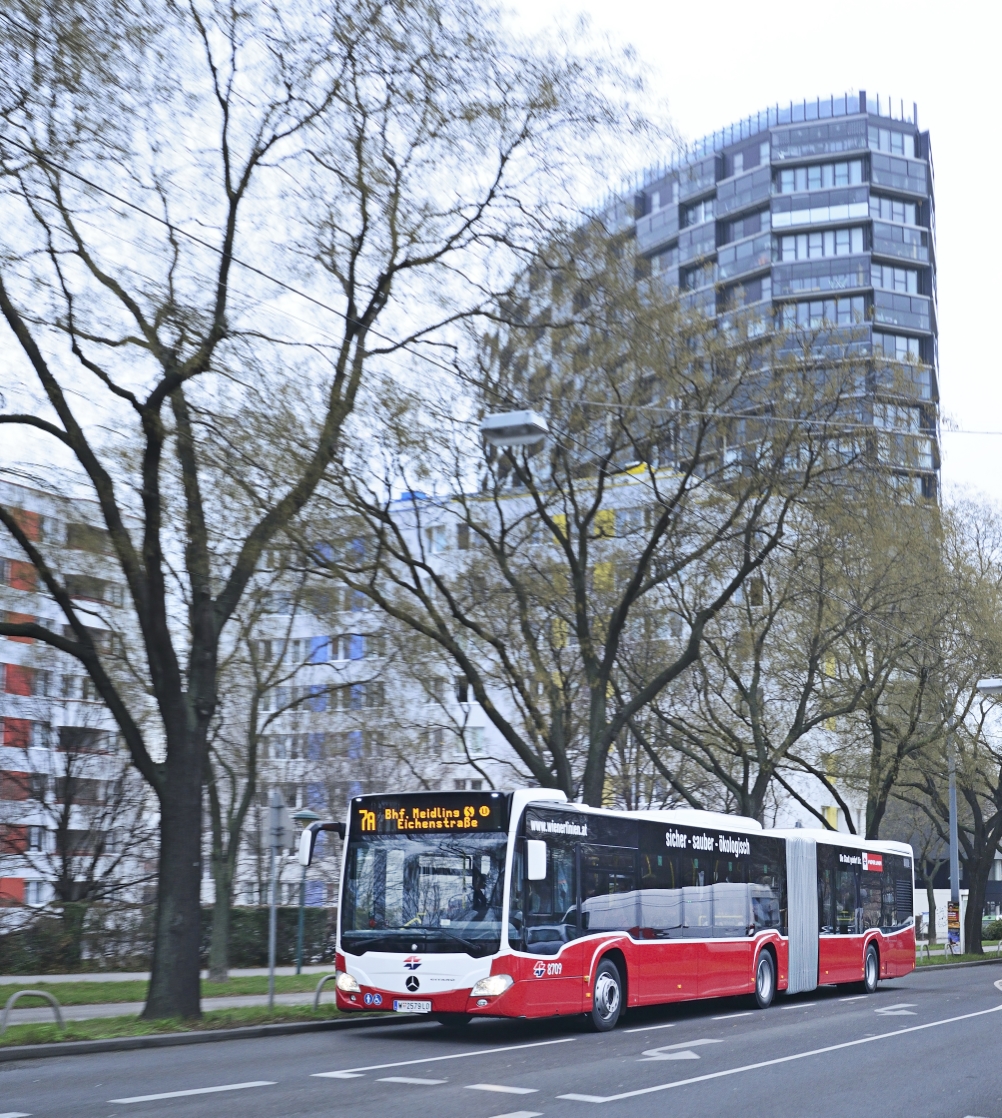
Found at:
[30, 994]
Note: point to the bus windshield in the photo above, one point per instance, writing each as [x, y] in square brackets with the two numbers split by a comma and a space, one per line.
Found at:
[437, 892]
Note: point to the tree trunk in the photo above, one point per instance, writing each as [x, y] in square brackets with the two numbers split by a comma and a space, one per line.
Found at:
[174, 982]
[975, 907]
[219, 945]
[931, 894]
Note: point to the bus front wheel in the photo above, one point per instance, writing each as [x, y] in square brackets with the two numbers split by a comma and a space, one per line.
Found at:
[765, 980]
[607, 997]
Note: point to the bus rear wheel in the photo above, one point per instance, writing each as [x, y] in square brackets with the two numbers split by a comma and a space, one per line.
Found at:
[871, 969]
[607, 997]
[765, 980]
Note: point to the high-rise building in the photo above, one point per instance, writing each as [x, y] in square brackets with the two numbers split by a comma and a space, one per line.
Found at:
[821, 215]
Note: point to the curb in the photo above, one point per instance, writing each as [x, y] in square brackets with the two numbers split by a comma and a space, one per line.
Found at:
[953, 966]
[209, 1036]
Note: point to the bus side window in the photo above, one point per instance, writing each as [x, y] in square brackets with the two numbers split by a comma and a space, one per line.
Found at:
[766, 882]
[845, 900]
[516, 917]
[660, 888]
[825, 925]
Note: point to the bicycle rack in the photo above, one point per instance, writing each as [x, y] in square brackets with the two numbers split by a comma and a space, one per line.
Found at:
[31, 994]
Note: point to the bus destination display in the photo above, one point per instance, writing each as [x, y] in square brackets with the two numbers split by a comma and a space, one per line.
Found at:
[385, 815]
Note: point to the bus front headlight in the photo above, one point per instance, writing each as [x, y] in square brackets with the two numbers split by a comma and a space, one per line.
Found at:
[491, 986]
[346, 984]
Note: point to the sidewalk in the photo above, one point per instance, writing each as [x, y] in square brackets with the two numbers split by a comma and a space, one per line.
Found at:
[142, 975]
[45, 1015]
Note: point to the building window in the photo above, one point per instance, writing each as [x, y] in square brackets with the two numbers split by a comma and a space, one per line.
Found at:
[824, 312]
[830, 242]
[897, 347]
[34, 892]
[887, 139]
[893, 209]
[895, 279]
[435, 538]
[821, 176]
[697, 213]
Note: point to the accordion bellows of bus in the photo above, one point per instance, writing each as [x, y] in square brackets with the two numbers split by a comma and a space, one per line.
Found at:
[521, 904]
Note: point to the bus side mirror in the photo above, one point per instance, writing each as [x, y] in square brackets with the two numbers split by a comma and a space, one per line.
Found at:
[535, 857]
[308, 839]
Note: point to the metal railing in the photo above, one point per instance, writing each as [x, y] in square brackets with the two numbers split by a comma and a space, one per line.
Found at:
[31, 994]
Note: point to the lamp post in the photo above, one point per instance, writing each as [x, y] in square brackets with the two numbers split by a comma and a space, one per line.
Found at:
[514, 428]
[304, 817]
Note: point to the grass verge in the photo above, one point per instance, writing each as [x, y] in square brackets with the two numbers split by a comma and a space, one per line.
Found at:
[104, 993]
[104, 1028]
[934, 960]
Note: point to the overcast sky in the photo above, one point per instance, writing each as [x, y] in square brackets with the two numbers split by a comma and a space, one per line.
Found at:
[715, 63]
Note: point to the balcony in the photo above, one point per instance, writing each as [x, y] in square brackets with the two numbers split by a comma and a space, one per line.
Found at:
[821, 275]
[657, 229]
[820, 207]
[698, 178]
[738, 193]
[909, 175]
[902, 242]
[744, 256]
[911, 312]
[697, 241]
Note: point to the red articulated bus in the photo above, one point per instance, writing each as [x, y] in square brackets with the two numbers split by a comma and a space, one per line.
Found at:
[466, 904]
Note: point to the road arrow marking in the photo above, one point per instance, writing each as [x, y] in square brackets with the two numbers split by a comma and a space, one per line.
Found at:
[676, 1051]
[778, 1060]
[902, 1009]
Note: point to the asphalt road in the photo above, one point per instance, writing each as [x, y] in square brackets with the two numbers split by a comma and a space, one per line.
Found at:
[925, 1046]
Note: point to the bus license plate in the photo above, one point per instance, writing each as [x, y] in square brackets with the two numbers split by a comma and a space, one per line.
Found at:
[411, 1007]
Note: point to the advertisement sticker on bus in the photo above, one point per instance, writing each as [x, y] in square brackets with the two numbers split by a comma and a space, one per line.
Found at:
[872, 863]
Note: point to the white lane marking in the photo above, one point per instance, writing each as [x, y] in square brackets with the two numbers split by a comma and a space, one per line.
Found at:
[353, 1073]
[902, 1009]
[409, 1079]
[731, 1016]
[521, 1114]
[501, 1090]
[198, 1091]
[998, 984]
[799, 1005]
[648, 1028]
[676, 1051]
[778, 1060]
[854, 999]
[18, 1114]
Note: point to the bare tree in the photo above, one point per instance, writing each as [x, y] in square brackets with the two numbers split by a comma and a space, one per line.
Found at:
[663, 477]
[215, 218]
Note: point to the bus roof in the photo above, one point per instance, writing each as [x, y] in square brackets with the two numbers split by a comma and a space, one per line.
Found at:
[840, 838]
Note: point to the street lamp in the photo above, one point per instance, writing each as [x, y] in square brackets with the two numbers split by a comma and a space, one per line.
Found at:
[304, 817]
[514, 428]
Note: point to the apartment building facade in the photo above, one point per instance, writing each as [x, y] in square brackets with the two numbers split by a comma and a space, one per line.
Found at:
[72, 812]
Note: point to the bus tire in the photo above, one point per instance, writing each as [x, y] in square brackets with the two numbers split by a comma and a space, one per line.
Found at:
[607, 997]
[765, 979]
[454, 1020]
[871, 969]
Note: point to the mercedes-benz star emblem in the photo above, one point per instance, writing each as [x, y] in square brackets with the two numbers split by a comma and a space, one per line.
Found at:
[413, 983]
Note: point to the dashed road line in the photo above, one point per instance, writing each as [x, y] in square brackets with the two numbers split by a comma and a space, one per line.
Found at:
[799, 1005]
[855, 998]
[18, 1114]
[198, 1091]
[354, 1073]
[731, 1016]
[648, 1028]
[777, 1060]
[409, 1079]
[521, 1114]
[502, 1090]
